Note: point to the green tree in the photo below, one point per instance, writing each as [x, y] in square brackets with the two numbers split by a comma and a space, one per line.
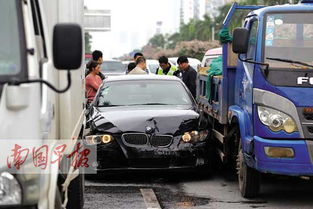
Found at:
[88, 38]
[157, 40]
[173, 40]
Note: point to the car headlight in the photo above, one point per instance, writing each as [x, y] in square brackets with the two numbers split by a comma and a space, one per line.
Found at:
[98, 139]
[194, 136]
[10, 190]
[276, 120]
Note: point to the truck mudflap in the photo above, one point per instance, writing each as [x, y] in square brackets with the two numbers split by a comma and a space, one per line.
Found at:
[299, 164]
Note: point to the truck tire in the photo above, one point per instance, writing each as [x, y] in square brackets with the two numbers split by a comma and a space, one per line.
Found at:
[248, 178]
[76, 193]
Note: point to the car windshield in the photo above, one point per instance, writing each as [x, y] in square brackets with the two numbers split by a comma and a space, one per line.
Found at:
[148, 92]
[112, 67]
[289, 40]
[10, 63]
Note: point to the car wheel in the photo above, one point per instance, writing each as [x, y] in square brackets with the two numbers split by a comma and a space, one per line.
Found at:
[248, 178]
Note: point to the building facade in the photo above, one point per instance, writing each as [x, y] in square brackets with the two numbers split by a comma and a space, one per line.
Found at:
[191, 9]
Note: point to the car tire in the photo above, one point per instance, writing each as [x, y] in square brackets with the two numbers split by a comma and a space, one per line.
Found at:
[248, 178]
[76, 193]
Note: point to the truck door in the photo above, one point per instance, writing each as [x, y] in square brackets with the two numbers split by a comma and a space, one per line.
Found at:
[47, 97]
[245, 82]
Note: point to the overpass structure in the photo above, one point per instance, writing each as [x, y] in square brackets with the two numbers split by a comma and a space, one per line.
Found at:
[97, 20]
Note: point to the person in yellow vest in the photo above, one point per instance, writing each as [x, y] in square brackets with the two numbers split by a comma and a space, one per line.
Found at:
[165, 67]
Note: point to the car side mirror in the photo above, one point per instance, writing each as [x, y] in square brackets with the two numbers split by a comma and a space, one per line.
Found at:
[240, 40]
[67, 46]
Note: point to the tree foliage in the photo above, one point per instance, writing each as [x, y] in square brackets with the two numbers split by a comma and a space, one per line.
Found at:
[194, 38]
[157, 41]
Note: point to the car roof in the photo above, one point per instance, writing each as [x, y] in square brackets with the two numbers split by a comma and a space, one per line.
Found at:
[111, 60]
[151, 61]
[142, 78]
[215, 51]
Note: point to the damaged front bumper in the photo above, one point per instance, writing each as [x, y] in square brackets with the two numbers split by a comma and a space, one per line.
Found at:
[118, 155]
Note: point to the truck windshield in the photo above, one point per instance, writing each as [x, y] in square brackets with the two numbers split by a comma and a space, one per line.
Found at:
[10, 62]
[289, 40]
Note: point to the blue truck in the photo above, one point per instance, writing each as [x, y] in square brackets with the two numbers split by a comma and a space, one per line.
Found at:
[261, 107]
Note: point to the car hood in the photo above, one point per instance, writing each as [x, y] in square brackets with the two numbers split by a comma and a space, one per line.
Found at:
[162, 120]
[113, 73]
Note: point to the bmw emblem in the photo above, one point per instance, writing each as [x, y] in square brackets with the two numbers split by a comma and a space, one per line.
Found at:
[149, 130]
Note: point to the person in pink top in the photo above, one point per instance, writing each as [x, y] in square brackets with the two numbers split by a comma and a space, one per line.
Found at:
[93, 81]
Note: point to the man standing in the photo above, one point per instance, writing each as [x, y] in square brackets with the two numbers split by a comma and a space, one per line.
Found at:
[165, 67]
[130, 67]
[97, 56]
[189, 74]
[136, 56]
[140, 66]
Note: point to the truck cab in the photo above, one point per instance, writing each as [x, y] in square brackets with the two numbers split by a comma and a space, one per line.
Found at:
[274, 91]
[263, 122]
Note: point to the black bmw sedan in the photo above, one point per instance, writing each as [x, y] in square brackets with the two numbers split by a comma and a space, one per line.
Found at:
[146, 122]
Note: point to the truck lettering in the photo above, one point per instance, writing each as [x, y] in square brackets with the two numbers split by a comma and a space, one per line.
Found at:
[303, 80]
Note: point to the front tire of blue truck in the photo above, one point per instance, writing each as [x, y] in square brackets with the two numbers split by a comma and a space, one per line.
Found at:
[248, 178]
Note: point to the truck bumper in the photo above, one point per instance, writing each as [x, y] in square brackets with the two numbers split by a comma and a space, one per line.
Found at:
[299, 165]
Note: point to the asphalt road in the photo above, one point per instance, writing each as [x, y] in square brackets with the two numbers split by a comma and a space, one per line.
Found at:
[194, 190]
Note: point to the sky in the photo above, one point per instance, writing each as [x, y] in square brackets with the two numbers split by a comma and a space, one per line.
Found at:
[133, 23]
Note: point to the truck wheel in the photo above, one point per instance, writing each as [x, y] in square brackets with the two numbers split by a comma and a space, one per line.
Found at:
[248, 178]
[76, 193]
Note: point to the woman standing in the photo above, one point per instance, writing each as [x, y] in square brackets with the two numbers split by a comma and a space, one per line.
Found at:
[93, 81]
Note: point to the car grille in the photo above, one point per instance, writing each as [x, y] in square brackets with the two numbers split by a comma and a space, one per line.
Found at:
[161, 140]
[310, 129]
[135, 139]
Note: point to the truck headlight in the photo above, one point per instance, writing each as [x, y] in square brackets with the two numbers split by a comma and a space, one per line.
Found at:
[276, 120]
[97, 139]
[10, 190]
[195, 136]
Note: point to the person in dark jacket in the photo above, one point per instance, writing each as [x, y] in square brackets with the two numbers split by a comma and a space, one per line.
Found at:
[189, 75]
[130, 67]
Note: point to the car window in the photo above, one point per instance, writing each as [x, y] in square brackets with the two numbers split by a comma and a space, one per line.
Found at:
[129, 93]
[112, 67]
[208, 61]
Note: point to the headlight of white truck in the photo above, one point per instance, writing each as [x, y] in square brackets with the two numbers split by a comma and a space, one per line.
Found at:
[276, 120]
[10, 190]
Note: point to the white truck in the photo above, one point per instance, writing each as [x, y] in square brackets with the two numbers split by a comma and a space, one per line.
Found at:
[37, 101]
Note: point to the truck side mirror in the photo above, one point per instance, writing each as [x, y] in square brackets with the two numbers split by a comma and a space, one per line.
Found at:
[240, 40]
[67, 46]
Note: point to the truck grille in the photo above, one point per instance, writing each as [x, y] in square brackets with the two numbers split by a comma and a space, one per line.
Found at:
[161, 140]
[135, 139]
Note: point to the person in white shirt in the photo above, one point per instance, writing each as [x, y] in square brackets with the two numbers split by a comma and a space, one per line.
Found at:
[140, 66]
